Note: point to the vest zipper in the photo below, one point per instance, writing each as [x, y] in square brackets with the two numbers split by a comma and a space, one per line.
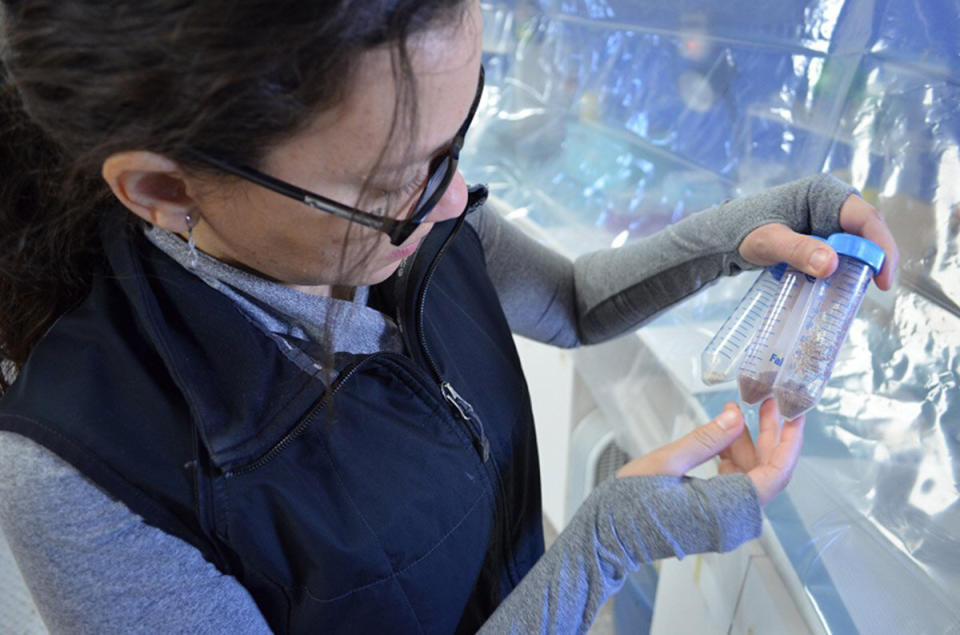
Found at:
[463, 408]
[468, 414]
[304, 422]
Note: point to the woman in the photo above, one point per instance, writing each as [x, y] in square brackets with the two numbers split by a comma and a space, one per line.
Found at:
[241, 405]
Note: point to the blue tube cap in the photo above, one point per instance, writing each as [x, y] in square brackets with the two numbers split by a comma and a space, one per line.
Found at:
[860, 248]
[778, 270]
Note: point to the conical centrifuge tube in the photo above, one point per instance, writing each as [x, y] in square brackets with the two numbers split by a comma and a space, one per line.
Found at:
[833, 304]
[725, 352]
[774, 338]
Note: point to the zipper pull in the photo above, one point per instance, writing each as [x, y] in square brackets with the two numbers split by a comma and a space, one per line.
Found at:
[468, 414]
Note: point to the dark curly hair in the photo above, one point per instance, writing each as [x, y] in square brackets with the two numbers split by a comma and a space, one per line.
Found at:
[83, 79]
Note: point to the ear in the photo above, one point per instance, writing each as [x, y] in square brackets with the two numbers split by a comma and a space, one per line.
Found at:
[151, 186]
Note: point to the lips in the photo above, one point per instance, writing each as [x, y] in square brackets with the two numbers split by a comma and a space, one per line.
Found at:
[403, 252]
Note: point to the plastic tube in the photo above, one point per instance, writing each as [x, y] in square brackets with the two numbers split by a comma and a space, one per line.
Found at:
[725, 352]
[774, 338]
[833, 304]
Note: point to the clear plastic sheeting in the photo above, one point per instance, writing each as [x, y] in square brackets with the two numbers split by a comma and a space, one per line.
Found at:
[604, 121]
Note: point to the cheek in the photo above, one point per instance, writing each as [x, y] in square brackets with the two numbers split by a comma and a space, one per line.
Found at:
[322, 257]
[295, 245]
[285, 245]
[378, 276]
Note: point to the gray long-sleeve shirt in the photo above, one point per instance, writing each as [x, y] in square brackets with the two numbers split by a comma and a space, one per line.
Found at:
[94, 566]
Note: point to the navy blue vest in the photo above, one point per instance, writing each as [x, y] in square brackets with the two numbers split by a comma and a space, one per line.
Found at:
[404, 498]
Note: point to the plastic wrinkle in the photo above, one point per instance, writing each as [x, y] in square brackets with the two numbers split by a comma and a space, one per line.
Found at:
[606, 120]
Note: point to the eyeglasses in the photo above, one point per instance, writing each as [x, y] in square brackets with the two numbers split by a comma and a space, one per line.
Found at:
[442, 170]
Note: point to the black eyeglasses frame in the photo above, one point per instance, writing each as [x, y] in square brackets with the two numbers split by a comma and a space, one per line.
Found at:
[442, 169]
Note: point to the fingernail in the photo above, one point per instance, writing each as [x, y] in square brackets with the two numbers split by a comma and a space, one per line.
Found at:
[819, 259]
[728, 419]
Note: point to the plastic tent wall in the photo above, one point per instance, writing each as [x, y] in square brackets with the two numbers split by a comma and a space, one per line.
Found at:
[606, 120]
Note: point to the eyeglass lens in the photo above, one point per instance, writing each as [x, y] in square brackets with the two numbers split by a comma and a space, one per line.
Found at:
[440, 177]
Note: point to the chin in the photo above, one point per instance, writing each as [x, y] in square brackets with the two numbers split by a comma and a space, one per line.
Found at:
[367, 278]
[382, 274]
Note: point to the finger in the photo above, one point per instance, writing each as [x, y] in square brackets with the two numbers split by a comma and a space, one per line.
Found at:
[679, 457]
[787, 452]
[775, 243]
[728, 467]
[769, 430]
[742, 451]
[770, 478]
[863, 219]
[730, 405]
[728, 451]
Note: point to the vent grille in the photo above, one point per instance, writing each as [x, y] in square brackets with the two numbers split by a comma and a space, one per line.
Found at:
[611, 459]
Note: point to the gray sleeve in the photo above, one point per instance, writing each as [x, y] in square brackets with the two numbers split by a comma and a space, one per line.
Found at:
[534, 283]
[624, 523]
[93, 566]
[612, 291]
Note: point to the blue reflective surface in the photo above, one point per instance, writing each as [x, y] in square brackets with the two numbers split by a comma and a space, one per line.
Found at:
[607, 120]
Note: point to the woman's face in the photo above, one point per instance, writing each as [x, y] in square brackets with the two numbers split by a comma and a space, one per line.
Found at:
[250, 226]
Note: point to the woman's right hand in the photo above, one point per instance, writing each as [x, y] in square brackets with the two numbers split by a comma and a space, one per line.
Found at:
[769, 463]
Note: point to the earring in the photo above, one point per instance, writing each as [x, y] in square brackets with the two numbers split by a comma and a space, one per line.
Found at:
[191, 241]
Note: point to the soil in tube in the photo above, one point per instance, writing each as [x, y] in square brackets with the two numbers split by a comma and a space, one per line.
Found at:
[754, 390]
[763, 358]
[714, 378]
[793, 399]
[816, 354]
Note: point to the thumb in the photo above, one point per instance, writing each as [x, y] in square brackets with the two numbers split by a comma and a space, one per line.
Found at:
[701, 445]
[775, 243]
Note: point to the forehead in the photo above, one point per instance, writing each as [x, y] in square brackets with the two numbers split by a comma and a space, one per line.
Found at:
[346, 141]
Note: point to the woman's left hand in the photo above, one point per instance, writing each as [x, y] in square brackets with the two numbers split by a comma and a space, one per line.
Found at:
[769, 464]
[775, 243]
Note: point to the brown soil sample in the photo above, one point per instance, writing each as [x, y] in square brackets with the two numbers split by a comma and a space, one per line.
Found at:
[755, 390]
[793, 400]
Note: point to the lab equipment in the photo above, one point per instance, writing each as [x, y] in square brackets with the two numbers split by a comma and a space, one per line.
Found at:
[725, 352]
[833, 303]
[765, 354]
[590, 134]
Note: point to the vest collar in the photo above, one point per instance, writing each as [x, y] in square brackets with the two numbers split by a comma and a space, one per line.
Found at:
[243, 394]
[241, 391]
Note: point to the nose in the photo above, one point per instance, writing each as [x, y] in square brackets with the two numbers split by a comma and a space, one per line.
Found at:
[453, 201]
